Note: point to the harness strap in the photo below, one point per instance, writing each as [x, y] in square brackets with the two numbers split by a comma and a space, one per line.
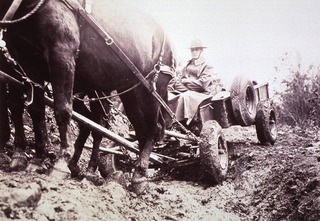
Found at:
[12, 10]
[9, 21]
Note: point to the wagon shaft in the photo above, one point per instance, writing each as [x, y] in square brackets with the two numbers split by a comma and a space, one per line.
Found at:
[8, 79]
[107, 133]
[179, 135]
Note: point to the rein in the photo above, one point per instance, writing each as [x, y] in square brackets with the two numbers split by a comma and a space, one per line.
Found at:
[12, 10]
[114, 95]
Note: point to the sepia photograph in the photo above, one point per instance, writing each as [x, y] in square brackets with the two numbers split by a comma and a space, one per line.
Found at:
[155, 110]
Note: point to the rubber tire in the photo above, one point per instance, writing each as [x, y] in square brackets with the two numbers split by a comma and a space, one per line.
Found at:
[243, 101]
[212, 142]
[266, 123]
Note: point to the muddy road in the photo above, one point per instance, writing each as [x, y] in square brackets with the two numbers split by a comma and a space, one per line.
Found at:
[279, 182]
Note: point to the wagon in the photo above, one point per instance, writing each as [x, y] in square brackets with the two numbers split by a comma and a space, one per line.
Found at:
[246, 103]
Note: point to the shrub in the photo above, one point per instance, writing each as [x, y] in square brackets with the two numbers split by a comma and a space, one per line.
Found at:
[299, 101]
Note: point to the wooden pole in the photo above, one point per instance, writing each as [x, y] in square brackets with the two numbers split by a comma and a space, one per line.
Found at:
[8, 79]
[105, 132]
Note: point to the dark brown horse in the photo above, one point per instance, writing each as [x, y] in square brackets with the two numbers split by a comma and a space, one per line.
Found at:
[57, 45]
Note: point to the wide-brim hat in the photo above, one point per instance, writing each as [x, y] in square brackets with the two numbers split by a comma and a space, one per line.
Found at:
[197, 44]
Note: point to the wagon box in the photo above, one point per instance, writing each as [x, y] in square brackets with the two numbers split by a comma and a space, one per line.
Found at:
[219, 107]
[247, 103]
[262, 91]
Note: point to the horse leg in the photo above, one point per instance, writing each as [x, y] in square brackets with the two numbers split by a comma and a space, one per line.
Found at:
[99, 110]
[96, 114]
[4, 127]
[16, 106]
[144, 118]
[37, 113]
[62, 68]
[63, 110]
[61, 52]
[4, 119]
[94, 160]
[84, 133]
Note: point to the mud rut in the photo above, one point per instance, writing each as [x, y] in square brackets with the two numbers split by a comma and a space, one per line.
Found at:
[279, 182]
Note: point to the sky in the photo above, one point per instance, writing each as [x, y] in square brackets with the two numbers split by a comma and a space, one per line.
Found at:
[243, 37]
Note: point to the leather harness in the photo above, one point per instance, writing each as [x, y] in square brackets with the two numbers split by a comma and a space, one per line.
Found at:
[76, 7]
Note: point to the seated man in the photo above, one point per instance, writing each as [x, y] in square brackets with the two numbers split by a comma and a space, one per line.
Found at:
[194, 84]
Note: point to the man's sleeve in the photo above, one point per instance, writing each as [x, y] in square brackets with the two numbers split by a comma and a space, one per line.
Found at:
[204, 80]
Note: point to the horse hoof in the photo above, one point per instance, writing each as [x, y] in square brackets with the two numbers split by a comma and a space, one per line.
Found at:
[75, 171]
[19, 162]
[4, 161]
[37, 165]
[139, 186]
[95, 179]
[60, 169]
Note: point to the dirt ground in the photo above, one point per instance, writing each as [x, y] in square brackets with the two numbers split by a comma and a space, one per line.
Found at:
[279, 182]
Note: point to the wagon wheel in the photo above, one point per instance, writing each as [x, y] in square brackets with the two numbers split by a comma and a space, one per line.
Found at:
[243, 101]
[266, 123]
[213, 151]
